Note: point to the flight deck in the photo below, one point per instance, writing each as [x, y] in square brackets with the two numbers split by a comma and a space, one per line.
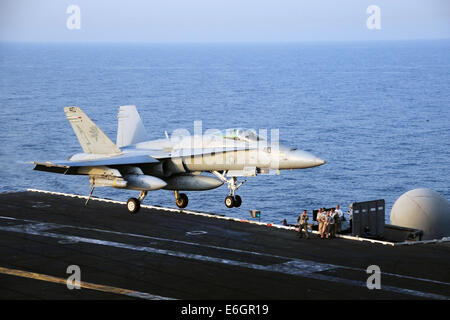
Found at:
[166, 253]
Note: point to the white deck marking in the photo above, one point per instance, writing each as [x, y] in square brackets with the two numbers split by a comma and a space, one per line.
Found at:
[85, 285]
[297, 267]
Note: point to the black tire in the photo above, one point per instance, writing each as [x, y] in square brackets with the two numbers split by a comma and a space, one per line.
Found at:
[237, 201]
[229, 202]
[133, 205]
[182, 201]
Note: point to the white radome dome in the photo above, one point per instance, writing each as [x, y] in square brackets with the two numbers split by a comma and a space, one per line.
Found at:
[423, 209]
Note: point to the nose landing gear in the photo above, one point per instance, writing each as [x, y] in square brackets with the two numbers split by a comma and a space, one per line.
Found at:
[231, 200]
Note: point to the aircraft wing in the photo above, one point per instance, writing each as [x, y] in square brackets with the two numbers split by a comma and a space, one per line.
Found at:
[128, 158]
[64, 166]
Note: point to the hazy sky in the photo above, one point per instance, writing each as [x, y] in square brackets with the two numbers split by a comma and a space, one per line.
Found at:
[222, 20]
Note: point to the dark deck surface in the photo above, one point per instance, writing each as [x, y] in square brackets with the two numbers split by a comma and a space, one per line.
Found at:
[161, 254]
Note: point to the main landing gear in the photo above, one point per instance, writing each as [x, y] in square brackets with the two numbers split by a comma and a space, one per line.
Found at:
[231, 200]
[133, 204]
[181, 199]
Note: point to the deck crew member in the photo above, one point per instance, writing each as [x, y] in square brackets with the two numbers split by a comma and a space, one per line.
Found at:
[323, 224]
[331, 225]
[339, 217]
[303, 224]
[350, 216]
[319, 220]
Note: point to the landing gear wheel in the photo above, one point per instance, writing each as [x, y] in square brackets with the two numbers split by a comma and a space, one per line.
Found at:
[229, 202]
[133, 205]
[182, 200]
[237, 201]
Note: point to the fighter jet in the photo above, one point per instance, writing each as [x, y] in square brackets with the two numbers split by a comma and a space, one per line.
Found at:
[179, 163]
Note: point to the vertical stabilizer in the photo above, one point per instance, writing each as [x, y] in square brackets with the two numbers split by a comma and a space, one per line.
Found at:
[92, 139]
[130, 129]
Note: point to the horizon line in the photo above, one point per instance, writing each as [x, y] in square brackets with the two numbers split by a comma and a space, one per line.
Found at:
[216, 42]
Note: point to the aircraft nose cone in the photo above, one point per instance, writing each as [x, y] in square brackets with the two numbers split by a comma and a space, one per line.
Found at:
[320, 162]
[303, 159]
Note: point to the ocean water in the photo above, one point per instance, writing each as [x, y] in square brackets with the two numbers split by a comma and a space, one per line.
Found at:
[377, 112]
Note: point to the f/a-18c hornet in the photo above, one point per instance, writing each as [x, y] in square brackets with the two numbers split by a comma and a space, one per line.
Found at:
[175, 163]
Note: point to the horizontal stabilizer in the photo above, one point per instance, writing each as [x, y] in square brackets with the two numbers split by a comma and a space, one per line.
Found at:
[64, 166]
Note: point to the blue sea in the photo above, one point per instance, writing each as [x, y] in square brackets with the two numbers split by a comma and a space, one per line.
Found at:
[377, 112]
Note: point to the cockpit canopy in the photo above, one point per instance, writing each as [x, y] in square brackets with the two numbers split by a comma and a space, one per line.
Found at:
[241, 134]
